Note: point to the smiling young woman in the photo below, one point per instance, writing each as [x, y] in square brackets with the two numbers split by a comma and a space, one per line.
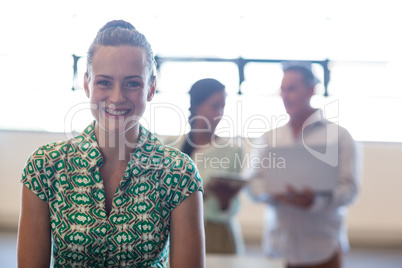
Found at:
[113, 196]
[119, 87]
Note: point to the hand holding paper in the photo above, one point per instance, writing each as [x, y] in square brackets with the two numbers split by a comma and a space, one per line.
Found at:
[225, 186]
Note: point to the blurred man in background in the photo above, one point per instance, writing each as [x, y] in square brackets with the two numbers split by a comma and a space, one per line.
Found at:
[301, 227]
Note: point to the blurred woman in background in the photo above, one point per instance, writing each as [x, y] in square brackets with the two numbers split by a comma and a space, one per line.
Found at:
[216, 157]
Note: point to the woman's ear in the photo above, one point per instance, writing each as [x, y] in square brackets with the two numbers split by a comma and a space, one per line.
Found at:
[86, 84]
[152, 89]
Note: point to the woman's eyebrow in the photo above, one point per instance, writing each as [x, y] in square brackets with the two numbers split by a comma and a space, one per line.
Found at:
[104, 76]
[133, 76]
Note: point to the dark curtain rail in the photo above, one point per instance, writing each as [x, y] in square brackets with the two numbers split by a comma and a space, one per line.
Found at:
[240, 62]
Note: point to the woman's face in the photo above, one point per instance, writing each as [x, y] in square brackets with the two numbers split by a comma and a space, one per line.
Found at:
[209, 113]
[118, 87]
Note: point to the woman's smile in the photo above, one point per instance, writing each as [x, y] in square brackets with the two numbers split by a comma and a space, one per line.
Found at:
[116, 112]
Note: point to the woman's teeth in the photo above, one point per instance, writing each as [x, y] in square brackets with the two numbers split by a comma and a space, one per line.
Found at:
[116, 112]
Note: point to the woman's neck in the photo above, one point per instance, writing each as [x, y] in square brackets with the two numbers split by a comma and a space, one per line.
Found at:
[202, 138]
[114, 146]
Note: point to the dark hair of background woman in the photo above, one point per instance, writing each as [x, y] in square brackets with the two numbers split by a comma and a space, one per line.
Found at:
[199, 93]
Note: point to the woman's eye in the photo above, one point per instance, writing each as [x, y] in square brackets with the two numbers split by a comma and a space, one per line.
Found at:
[133, 84]
[103, 83]
[218, 107]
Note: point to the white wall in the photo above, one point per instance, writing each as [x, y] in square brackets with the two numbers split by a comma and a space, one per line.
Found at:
[374, 219]
[15, 148]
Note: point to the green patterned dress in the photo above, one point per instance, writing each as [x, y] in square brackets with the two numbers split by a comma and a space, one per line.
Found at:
[136, 233]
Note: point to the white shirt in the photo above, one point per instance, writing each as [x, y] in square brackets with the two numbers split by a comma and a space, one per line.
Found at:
[307, 236]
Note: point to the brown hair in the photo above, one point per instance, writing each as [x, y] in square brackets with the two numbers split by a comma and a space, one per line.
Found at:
[120, 33]
[307, 75]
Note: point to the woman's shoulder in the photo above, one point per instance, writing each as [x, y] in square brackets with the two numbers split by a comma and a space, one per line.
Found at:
[52, 153]
[41, 167]
[65, 146]
[50, 150]
[175, 161]
[175, 154]
[179, 176]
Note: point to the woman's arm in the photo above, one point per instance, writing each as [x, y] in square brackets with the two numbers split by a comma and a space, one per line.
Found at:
[187, 239]
[34, 234]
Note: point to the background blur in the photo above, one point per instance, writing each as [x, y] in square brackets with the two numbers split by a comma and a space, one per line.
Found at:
[361, 39]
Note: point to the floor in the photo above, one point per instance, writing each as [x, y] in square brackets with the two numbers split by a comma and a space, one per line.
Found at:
[358, 257]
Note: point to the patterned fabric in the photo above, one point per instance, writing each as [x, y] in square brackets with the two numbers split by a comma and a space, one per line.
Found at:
[136, 233]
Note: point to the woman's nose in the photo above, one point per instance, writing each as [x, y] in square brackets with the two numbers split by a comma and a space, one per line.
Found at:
[117, 95]
[221, 111]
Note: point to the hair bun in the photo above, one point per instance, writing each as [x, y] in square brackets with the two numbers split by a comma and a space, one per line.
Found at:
[117, 23]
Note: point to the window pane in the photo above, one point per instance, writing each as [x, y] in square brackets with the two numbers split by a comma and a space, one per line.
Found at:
[366, 118]
[361, 79]
[262, 78]
[178, 77]
[168, 114]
